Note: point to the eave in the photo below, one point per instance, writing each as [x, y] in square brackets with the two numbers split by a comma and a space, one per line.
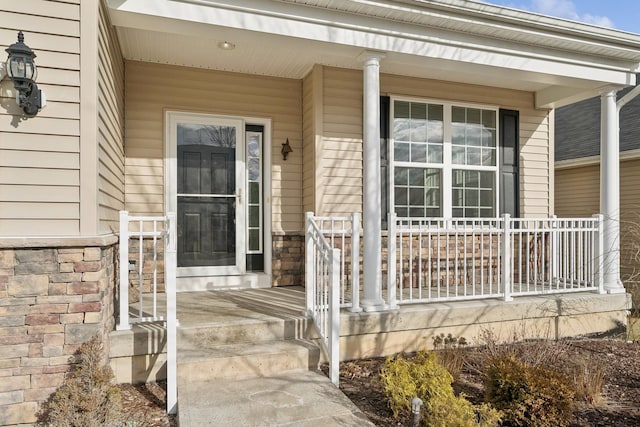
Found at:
[560, 61]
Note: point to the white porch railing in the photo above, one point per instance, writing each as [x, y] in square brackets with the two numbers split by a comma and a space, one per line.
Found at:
[435, 259]
[343, 232]
[149, 232]
[322, 283]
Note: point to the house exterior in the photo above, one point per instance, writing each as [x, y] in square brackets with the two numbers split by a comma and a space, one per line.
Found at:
[426, 109]
[577, 154]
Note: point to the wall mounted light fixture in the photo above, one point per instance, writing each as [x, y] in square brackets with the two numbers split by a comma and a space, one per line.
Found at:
[22, 71]
[286, 149]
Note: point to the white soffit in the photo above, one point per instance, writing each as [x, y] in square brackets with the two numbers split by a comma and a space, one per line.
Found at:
[451, 40]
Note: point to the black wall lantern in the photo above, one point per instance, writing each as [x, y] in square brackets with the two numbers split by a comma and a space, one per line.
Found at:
[286, 149]
[22, 71]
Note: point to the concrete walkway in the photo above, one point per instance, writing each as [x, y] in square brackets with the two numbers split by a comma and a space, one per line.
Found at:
[301, 398]
[257, 397]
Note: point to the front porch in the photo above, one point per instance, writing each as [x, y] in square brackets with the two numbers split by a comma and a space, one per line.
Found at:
[231, 317]
[525, 278]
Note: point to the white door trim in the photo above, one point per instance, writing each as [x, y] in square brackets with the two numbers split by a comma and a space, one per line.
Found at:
[170, 163]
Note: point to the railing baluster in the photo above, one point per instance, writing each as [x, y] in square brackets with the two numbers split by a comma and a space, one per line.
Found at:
[355, 262]
[391, 261]
[506, 250]
[140, 263]
[155, 269]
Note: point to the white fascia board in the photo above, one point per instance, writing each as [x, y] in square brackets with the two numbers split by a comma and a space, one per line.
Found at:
[362, 32]
[541, 24]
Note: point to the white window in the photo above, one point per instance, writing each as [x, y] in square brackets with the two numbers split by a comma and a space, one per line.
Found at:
[444, 159]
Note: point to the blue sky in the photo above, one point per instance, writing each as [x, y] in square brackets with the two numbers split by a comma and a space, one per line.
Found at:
[619, 14]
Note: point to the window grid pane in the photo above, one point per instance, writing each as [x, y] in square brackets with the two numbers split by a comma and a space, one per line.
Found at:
[418, 132]
[473, 193]
[417, 192]
[473, 135]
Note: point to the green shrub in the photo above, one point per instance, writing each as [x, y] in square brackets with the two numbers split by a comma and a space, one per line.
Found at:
[87, 398]
[422, 376]
[528, 395]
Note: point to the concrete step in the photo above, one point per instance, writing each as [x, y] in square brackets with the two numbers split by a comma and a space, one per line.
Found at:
[244, 331]
[304, 399]
[208, 362]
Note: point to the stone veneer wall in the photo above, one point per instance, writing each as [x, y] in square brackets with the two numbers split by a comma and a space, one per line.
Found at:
[288, 260]
[52, 299]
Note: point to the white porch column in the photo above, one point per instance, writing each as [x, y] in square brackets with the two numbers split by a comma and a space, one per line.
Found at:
[610, 191]
[372, 255]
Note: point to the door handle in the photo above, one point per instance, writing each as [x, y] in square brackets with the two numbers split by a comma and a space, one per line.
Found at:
[239, 195]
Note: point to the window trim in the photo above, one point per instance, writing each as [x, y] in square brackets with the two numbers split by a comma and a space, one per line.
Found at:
[446, 167]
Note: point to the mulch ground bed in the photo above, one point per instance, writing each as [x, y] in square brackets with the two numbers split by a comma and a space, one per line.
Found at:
[620, 405]
[146, 406]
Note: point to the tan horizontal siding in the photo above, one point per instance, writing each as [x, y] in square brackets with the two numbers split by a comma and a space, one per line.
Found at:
[54, 143]
[152, 89]
[110, 125]
[577, 194]
[39, 193]
[55, 110]
[33, 176]
[577, 191]
[630, 216]
[309, 109]
[43, 41]
[37, 24]
[341, 163]
[34, 210]
[40, 156]
[38, 227]
[40, 125]
[39, 159]
[45, 8]
[61, 93]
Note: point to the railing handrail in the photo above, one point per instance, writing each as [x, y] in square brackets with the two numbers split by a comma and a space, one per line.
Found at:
[169, 234]
[323, 265]
[466, 224]
[318, 236]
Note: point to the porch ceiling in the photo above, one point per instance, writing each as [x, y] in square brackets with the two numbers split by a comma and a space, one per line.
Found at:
[456, 40]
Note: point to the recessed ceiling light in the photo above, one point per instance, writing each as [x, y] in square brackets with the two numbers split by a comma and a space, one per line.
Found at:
[225, 45]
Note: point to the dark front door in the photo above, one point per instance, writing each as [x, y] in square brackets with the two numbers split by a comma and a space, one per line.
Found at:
[208, 199]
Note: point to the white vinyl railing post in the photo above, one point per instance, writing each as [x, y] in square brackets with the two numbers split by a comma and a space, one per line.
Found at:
[334, 317]
[506, 256]
[599, 253]
[123, 319]
[355, 263]
[170, 265]
[554, 256]
[391, 262]
[309, 265]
